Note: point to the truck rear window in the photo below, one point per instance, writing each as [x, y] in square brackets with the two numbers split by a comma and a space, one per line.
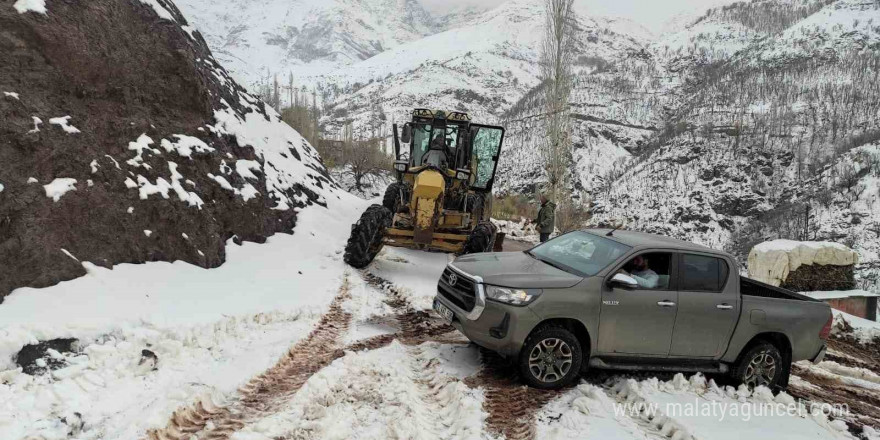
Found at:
[702, 273]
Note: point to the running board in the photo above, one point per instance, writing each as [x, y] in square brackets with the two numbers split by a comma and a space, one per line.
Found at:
[707, 367]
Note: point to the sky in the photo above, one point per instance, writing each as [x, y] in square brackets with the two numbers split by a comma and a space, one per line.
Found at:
[653, 14]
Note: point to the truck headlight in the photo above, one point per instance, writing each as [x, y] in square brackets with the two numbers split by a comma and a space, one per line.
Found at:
[462, 174]
[400, 166]
[508, 295]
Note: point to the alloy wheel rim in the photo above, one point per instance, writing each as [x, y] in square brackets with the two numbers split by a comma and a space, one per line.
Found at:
[761, 370]
[550, 360]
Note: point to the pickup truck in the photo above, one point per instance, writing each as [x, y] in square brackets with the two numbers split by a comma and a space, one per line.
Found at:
[627, 300]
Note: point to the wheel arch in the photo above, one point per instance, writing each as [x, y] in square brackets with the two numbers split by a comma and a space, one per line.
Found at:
[781, 342]
[573, 325]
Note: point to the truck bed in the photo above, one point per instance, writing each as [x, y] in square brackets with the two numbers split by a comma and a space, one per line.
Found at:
[750, 287]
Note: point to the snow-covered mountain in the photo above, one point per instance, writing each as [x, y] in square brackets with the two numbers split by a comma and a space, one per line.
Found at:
[257, 39]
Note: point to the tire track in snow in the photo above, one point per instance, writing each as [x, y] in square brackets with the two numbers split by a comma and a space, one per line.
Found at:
[832, 387]
[510, 404]
[271, 389]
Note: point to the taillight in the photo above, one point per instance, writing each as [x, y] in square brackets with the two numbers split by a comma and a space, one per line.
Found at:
[826, 329]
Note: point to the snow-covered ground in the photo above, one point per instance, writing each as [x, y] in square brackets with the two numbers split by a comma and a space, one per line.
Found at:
[212, 329]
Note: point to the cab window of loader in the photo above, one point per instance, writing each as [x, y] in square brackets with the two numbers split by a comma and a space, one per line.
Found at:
[421, 139]
[486, 145]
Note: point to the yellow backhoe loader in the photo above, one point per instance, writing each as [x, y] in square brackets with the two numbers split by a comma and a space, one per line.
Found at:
[442, 198]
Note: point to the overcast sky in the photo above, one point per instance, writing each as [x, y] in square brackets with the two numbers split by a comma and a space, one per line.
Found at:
[652, 14]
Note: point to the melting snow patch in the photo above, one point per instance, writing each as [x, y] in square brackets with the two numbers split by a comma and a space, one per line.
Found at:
[12, 95]
[59, 187]
[23, 6]
[64, 123]
[148, 232]
[69, 254]
[130, 209]
[162, 186]
[244, 168]
[32, 180]
[160, 10]
[37, 122]
[1, 187]
[185, 145]
[94, 165]
[142, 143]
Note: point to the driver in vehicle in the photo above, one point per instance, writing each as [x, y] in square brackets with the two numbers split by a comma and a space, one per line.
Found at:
[639, 270]
[439, 154]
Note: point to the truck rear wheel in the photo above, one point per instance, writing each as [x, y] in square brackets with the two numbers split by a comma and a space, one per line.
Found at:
[760, 365]
[551, 358]
[481, 239]
[366, 236]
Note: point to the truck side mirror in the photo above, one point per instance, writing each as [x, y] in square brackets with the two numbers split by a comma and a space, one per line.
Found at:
[624, 281]
[406, 134]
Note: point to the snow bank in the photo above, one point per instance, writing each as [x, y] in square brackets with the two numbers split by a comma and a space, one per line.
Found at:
[772, 261]
[862, 329]
[59, 187]
[212, 329]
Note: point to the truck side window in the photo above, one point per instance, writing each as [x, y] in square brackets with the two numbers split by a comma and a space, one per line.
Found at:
[702, 273]
[651, 270]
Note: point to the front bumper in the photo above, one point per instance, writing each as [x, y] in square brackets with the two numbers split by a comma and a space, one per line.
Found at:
[821, 355]
[499, 327]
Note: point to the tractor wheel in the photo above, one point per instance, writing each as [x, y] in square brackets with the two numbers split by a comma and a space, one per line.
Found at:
[366, 236]
[395, 196]
[482, 239]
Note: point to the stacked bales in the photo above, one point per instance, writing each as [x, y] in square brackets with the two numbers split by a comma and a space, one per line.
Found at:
[803, 266]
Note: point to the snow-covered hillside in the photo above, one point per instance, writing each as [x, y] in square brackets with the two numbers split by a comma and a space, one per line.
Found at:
[256, 40]
[131, 155]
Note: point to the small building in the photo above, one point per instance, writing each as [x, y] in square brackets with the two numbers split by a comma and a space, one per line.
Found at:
[859, 303]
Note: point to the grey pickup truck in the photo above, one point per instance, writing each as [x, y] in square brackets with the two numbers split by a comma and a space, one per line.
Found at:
[633, 301]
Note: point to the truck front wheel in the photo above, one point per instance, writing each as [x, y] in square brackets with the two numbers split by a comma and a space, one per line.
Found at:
[550, 358]
[760, 365]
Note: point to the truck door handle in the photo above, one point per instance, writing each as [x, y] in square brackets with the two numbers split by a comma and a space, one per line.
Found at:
[666, 303]
[724, 306]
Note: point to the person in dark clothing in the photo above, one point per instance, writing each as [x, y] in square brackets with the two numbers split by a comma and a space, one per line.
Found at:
[546, 221]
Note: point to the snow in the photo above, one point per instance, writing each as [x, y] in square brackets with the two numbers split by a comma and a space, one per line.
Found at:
[37, 122]
[64, 123]
[185, 145]
[418, 397]
[140, 145]
[32, 180]
[2, 187]
[682, 408]
[864, 330]
[212, 329]
[772, 261]
[23, 6]
[148, 232]
[59, 187]
[12, 95]
[836, 294]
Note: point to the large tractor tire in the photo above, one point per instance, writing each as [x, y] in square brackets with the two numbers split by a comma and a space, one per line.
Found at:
[481, 239]
[366, 236]
[395, 196]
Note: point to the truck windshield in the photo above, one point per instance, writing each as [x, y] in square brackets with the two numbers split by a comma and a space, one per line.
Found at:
[579, 252]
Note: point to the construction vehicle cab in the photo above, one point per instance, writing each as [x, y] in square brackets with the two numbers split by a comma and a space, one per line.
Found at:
[442, 197]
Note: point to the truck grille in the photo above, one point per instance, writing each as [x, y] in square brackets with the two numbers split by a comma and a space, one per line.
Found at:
[462, 292]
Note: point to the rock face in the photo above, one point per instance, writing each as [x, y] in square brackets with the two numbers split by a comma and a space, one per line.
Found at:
[123, 140]
[803, 266]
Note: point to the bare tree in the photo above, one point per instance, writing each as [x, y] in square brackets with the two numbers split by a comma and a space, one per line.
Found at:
[363, 160]
[557, 57]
